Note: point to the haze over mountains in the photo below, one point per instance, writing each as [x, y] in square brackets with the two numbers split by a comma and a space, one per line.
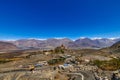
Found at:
[53, 42]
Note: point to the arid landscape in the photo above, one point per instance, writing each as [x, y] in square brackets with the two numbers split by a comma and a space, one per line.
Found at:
[59, 63]
[59, 39]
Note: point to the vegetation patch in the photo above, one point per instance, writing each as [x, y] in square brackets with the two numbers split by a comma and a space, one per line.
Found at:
[111, 65]
[3, 60]
[56, 61]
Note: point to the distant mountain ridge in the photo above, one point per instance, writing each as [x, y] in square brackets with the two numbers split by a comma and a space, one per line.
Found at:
[7, 46]
[53, 42]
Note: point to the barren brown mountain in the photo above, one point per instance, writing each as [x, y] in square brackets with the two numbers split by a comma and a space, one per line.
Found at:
[7, 46]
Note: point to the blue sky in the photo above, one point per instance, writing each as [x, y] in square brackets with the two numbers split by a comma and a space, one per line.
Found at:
[59, 18]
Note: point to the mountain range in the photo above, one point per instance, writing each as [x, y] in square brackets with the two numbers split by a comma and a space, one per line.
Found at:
[74, 44]
[7, 46]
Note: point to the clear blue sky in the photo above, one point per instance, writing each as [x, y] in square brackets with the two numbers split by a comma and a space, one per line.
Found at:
[59, 18]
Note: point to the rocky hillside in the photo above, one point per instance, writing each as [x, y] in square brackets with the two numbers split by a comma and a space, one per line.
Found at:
[115, 47]
[7, 46]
